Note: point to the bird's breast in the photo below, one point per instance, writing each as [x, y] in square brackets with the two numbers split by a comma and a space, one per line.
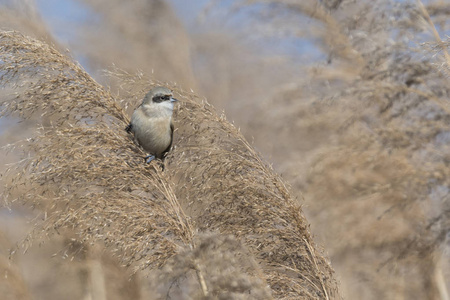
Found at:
[153, 134]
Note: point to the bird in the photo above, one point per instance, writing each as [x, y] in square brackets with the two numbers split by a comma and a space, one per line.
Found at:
[151, 123]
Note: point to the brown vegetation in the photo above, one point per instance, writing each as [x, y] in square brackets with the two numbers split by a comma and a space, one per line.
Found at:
[358, 126]
[365, 140]
[85, 174]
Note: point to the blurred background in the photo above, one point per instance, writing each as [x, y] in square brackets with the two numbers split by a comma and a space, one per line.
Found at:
[348, 100]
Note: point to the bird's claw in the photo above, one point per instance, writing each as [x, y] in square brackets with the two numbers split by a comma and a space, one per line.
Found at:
[149, 158]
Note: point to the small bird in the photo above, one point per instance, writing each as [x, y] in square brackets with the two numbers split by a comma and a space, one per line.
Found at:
[151, 123]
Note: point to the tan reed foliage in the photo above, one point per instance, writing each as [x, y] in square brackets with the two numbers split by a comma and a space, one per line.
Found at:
[364, 135]
[224, 186]
[179, 276]
[67, 158]
[86, 174]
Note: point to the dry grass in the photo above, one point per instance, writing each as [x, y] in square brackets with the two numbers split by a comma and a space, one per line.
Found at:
[364, 137]
[224, 281]
[70, 175]
[86, 175]
[361, 130]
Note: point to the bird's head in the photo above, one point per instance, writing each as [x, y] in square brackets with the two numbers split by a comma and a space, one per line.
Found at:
[160, 98]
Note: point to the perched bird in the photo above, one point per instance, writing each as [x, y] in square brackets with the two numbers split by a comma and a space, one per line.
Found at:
[151, 123]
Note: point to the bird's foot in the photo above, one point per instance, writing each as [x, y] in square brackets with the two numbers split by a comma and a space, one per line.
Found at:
[149, 158]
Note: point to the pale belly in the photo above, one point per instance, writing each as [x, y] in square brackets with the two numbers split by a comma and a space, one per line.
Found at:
[153, 135]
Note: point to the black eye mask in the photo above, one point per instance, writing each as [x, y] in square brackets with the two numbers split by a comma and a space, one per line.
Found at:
[159, 99]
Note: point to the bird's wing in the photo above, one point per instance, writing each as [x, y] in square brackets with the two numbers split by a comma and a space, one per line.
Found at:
[171, 140]
[129, 128]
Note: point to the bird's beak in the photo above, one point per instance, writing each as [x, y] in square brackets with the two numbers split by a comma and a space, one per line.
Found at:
[173, 100]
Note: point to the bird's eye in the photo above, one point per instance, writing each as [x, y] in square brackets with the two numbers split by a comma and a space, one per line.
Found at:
[158, 99]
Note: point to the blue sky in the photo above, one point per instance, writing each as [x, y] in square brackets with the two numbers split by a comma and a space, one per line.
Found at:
[59, 12]
[62, 17]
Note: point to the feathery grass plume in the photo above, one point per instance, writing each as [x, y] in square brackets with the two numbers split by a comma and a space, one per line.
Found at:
[227, 255]
[228, 188]
[399, 132]
[378, 117]
[93, 181]
[84, 163]
[224, 186]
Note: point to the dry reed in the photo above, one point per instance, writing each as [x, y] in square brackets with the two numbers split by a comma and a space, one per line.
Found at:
[371, 126]
[84, 172]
